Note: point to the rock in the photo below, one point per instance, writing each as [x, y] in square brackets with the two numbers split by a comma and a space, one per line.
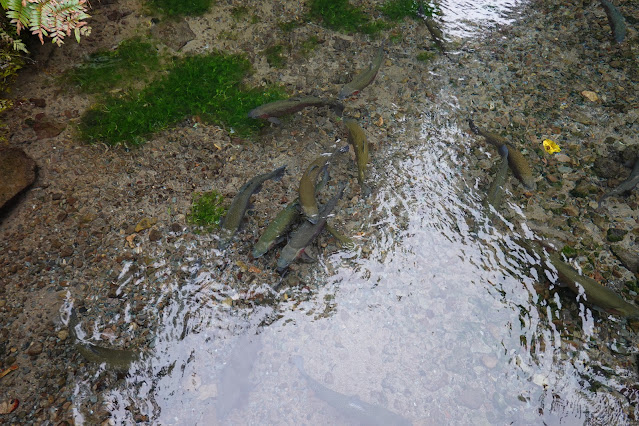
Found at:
[63, 334]
[17, 173]
[46, 127]
[562, 158]
[145, 223]
[175, 34]
[591, 96]
[34, 349]
[615, 234]
[155, 235]
[66, 251]
[571, 211]
[38, 102]
[629, 259]
[471, 398]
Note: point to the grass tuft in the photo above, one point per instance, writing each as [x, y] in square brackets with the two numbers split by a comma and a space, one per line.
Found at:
[340, 15]
[207, 210]
[208, 86]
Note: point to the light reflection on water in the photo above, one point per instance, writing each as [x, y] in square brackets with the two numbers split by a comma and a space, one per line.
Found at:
[440, 323]
[464, 18]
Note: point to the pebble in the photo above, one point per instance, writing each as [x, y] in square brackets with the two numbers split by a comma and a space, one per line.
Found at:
[63, 334]
[34, 349]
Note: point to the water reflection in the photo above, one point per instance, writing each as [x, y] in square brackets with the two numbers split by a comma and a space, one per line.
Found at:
[464, 18]
[443, 322]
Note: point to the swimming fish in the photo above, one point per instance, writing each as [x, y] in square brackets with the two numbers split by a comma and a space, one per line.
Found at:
[275, 230]
[306, 233]
[352, 407]
[345, 242]
[364, 78]
[516, 160]
[626, 185]
[495, 191]
[357, 138]
[616, 21]
[231, 222]
[272, 110]
[307, 186]
[433, 29]
[117, 359]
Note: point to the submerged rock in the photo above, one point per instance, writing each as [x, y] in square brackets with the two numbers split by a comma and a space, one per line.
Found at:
[17, 173]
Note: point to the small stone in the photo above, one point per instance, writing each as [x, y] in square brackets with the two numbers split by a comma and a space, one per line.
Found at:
[552, 178]
[34, 349]
[63, 334]
[615, 234]
[145, 223]
[66, 251]
[176, 227]
[38, 102]
[571, 211]
[155, 235]
[590, 95]
[629, 259]
[562, 158]
[489, 361]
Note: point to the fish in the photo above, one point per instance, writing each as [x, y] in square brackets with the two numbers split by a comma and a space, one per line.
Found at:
[516, 160]
[595, 294]
[364, 78]
[285, 218]
[357, 138]
[306, 233]
[626, 185]
[233, 218]
[495, 191]
[116, 359]
[616, 21]
[272, 110]
[433, 29]
[358, 411]
[307, 186]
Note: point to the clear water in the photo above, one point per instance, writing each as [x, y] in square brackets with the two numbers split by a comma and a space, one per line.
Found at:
[440, 320]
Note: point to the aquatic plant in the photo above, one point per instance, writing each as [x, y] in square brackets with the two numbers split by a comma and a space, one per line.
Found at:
[396, 10]
[340, 15]
[132, 60]
[49, 18]
[181, 7]
[207, 210]
[206, 86]
[425, 56]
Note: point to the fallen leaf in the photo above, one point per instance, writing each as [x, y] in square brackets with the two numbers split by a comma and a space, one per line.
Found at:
[550, 146]
[145, 223]
[8, 370]
[9, 406]
[380, 122]
[130, 239]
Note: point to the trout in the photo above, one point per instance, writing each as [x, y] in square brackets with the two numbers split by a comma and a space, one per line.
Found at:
[117, 359]
[358, 411]
[231, 222]
[277, 228]
[364, 78]
[306, 233]
[616, 21]
[307, 185]
[433, 29]
[626, 185]
[272, 110]
[344, 241]
[357, 138]
[516, 160]
[495, 191]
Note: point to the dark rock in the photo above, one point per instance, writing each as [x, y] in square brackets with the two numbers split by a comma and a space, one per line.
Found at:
[629, 259]
[38, 102]
[615, 234]
[66, 251]
[34, 349]
[176, 227]
[174, 34]
[17, 172]
[155, 235]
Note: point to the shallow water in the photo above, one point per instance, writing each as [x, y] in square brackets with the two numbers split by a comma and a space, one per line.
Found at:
[440, 320]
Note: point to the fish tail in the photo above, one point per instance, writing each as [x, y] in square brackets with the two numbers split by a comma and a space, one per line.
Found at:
[279, 173]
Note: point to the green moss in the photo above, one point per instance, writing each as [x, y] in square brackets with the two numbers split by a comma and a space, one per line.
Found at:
[274, 56]
[569, 252]
[308, 45]
[425, 56]
[340, 15]
[181, 7]
[207, 210]
[239, 12]
[208, 86]
[133, 60]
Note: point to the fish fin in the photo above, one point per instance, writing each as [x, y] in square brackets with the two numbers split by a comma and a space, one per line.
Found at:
[274, 120]
[279, 173]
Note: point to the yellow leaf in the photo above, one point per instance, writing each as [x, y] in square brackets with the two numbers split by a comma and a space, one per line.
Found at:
[550, 146]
